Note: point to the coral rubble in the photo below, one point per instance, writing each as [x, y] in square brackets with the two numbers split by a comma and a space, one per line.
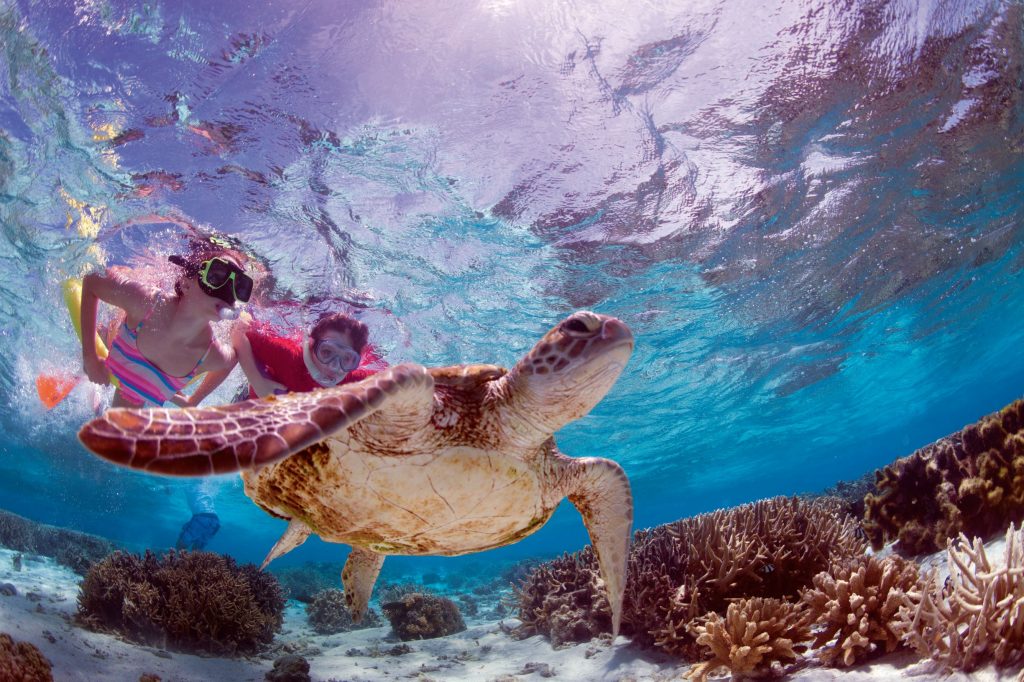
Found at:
[22, 662]
[195, 601]
[423, 616]
[756, 638]
[328, 614]
[77, 551]
[971, 482]
[855, 606]
[975, 616]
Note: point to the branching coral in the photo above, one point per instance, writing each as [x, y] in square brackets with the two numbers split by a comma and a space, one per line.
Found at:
[22, 662]
[855, 606]
[756, 637]
[562, 599]
[196, 601]
[970, 482]
[975, 616]
[423, 616]
[770, 548]
[329, 614]
[77, 551]
[683, 570]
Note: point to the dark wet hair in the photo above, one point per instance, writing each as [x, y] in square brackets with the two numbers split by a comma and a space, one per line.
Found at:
[342, 323]
[199, 250]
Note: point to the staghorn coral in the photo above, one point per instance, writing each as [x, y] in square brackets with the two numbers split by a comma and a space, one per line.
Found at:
[683, 570]
[756, 637]
[22, 662]
[77, 551]
[855, 606]
[975, 616]
[770, 548]
[423, 616]
[562, 600]
[328, 614]
[195, 601]
[970, 482]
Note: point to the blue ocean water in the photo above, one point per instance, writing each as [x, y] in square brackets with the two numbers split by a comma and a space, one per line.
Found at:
[808, 212]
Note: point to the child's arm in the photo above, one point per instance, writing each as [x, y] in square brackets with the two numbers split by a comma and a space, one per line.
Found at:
[211, 380]
[243, 349]
[115, 288]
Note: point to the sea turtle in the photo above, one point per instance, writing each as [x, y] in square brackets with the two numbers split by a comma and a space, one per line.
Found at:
[438, 461]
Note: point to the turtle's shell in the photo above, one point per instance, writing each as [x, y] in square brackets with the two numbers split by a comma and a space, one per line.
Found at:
[452, 487]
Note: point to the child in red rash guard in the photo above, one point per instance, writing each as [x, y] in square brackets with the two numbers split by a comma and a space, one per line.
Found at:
[334, 352]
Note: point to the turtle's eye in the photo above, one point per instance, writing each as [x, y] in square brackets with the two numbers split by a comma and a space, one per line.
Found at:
[583, 323]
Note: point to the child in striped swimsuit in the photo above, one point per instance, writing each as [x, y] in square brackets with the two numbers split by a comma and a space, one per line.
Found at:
[165, 341]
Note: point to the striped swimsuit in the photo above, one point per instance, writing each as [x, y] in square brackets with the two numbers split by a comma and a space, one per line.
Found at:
[141, 381]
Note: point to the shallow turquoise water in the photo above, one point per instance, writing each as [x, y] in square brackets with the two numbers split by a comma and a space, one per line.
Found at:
[810, 217]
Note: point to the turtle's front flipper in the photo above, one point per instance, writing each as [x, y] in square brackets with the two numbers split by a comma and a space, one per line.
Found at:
[198, 441]
[599, 489]
[358, 577]
[294, 535]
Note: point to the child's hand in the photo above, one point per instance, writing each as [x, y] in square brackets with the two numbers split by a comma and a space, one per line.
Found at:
[95, 369]
[264, 387]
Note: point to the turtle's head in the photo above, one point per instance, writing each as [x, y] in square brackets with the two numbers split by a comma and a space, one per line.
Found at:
[571, 369]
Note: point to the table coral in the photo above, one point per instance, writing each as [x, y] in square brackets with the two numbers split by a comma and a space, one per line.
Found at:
[970, 482]
[855, 607]
[977, 614]
[756, 637]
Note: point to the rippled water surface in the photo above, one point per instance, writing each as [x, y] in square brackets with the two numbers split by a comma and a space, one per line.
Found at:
[808, 212]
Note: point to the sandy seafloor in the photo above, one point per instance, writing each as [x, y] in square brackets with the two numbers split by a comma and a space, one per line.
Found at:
[42, 612]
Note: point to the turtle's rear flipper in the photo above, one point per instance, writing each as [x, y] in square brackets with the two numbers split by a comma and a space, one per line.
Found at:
[599, 489]
[358, 577]
[294, 535]
[200, 441]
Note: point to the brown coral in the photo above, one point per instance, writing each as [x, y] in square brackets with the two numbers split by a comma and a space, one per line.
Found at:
[196, 601]
[562, 600]
[22, 662]
[683, 570]
[970, 482]
[329, 614]
[756, 637]
[77, 551]
[770, 548]
[423, 616]
[855, 606]
[977, 614]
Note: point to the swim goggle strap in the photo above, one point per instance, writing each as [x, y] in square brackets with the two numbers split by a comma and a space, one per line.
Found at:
[215, 273]
[339, 356]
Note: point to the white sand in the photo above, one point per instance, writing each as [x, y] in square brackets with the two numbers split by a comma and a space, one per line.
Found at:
[43, 609]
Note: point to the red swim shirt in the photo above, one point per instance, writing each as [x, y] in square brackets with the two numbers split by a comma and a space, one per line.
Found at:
[279, 358]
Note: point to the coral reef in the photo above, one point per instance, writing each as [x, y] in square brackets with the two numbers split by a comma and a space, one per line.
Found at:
[562, 600]
[975, 616]
[289, 668]
[423, 616]
[304, 582]
[971, 482]
[855, 606]
[22, 662]
[684, 570]
[195, 601]
[77, 551]
[328, 614]
[756, 637]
